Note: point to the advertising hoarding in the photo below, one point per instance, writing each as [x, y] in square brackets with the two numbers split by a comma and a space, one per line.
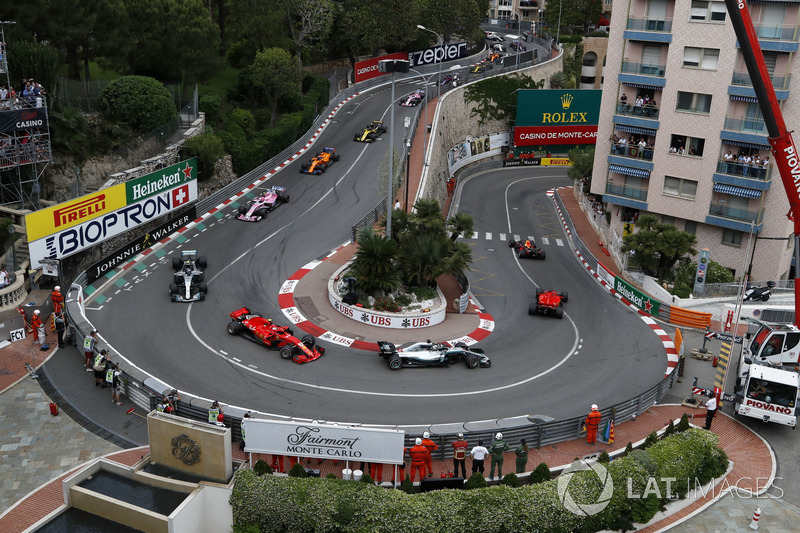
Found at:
[23, 119]
[438, 54]
[475, 149]
[368, 69]
[324, 441]
[556, 117]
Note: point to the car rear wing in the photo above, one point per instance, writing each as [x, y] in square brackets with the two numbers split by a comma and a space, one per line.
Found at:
[240, 312]
[386, 348]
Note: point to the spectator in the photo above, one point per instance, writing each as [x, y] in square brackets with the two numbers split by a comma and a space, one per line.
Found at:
[459, 455]
[117, 385]
[4, 277]
[173, 398]
[478, 455]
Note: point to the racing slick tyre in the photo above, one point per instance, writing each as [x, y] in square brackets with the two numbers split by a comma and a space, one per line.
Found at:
[473, 361]
[558, 313]
[395, 363]
[542, 254]
[371, 137]
[173, 288]
[234, 328]
[262, 212]
[335, 157]
[523, 253]
[176, 263]
[303, 167]
[203, 287]
[177, 278]
[539, 291]
[286, 352]
[533, 309]
[202, 262]
[199, 277]
[511, 243]
[565, 296]
[322, 169]
[309, 341]
[242, 209]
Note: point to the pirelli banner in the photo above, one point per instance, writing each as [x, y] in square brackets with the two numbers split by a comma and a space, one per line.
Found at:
[554, 118]
[73, 226]
[23, 119]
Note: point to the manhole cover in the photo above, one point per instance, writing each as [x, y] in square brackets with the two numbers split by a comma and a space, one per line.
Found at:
[491, 250]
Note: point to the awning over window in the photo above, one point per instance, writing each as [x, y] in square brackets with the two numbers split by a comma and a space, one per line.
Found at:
[741, 98]
[635, 129]
[628, 171]
[747, 145]
[643, 86]
[736, 191]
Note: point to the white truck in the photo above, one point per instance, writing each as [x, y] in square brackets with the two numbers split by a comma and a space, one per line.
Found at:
[768, 379]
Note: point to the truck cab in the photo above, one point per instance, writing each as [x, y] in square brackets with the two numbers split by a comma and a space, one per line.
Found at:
[767, 393]
[776, 344]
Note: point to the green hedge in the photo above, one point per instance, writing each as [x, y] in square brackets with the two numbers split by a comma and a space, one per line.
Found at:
[273, 503]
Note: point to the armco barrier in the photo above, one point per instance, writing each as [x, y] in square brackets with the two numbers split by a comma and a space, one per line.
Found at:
[143, 389]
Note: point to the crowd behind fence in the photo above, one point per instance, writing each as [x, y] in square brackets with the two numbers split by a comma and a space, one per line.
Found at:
[144, 390]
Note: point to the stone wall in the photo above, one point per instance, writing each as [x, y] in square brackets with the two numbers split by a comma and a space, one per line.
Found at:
[453, 124]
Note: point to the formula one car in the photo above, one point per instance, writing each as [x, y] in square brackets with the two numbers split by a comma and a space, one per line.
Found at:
[548, 303]
[413, 99]
[371, 132]
[518, 46]
[492, 57]
[527, 248]
[187, 282]
[263, 204]
[432, 354]
[450, 78]
[479, 68]
[320, 162]
[263, 331]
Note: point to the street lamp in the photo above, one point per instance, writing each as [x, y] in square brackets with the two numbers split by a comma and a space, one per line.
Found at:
[387, 66]
[408, 171]
[439, 42]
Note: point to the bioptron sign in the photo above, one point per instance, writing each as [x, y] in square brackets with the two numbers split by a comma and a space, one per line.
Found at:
[76, 225]
[557, 117]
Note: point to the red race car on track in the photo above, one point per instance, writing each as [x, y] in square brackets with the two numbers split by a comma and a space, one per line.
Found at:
[263, 331]
[527, 248]
[549, 303]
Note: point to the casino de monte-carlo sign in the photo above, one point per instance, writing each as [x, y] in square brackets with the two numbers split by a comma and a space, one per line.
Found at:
[557, 117]
[70, 227]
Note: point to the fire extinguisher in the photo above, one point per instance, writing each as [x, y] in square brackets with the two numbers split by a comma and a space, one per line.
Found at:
[54, 409]
[715, 361]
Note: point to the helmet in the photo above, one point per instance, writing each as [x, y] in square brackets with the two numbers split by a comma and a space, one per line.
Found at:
[58, 288]
[594, 407]
[426, 435]
[269, 321]
[460, 435]
[499, 436]
[418, 441]
[770, 284]
[36, 312]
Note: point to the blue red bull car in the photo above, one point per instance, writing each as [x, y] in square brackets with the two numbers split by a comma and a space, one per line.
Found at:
[261, 330]
[413, 99]
[527, 249]
[263, 204]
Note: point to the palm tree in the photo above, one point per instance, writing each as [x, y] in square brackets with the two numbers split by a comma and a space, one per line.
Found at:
[428, 216]
[460, 224]
[374, 264]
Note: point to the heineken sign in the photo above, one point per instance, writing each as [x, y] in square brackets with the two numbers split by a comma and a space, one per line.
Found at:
[160, 180]
[636, 297]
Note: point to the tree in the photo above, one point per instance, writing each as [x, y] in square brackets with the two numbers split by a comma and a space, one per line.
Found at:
[355, 26]
[275, 73]
[29, 59]
[141, 102]
[496, 97]
[574, 13]
[460, 224]
[208, 148]
[447, 17]
[310, 23]
[374, 263]
[582, 160]
[657, 247]
[253, 25]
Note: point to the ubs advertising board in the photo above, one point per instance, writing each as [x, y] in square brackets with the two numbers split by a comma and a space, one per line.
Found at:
[70, 227]
[550, 119]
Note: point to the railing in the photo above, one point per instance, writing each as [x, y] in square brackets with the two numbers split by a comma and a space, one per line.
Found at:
[645, 111]
[647, 69]
[743, 79]
[633, 151]
[747, 125]
[755, 172]
[649, 25]
[35, 149]
[20, 102]
[627, 191]
[776, 33]
[724, 210]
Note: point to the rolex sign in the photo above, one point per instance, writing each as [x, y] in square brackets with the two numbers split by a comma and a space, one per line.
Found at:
[557, 117]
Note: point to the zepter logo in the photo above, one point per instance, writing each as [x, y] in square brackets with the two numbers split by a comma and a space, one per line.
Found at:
[585, 509]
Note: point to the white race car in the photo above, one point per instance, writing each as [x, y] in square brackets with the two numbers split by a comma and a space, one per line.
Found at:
[432, 354]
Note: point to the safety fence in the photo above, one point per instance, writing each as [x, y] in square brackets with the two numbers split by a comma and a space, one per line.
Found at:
[144, 390]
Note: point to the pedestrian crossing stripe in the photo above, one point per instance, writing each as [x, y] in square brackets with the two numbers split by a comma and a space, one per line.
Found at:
[545, 241]
[489, 236]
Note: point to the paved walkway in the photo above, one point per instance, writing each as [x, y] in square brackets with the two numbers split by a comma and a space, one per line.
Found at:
[38, 448]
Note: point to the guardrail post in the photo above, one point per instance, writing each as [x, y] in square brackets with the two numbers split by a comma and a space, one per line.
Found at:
[640, 402]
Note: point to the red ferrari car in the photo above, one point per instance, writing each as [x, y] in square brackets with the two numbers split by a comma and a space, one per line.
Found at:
[263, 331]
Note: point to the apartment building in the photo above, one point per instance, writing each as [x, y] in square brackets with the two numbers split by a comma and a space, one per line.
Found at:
[510, 10]
[681, 135]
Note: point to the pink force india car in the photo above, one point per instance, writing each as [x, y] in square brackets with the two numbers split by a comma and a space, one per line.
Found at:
[263, 204]
[413, 99]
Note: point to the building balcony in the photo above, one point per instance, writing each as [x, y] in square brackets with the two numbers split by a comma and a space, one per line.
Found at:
[740, 170]
[632, 151]
[777, 33]
[743, 79]
[642, 111]
[646, 69]
[723, 210]
[645, 24]
[528, 4]
[747, 125]
[627, 191]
